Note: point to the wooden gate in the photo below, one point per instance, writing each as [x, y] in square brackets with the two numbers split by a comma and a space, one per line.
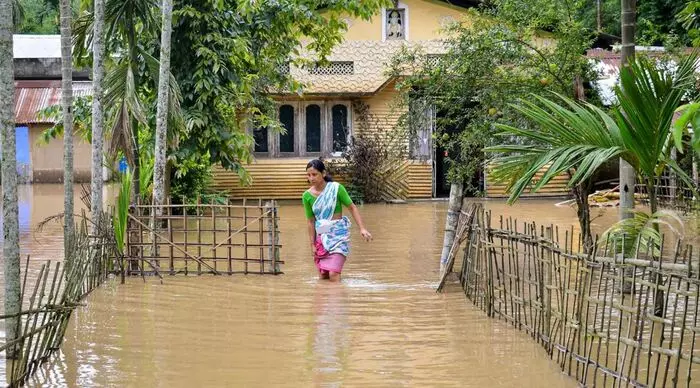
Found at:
[240, 237]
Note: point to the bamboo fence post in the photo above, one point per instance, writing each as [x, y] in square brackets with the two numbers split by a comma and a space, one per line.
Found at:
[276, 238]
[199, 235]
[170, 237]
[245, 236]
[213, 222]
[186, 230]
[260, 236]
[270, 236]
[228, 228]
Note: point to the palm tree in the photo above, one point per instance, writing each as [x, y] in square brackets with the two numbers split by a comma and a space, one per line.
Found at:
[124, 20]
[690, 118]
[97, 113]
[66, 104]
[127, 64]
[9, 181]
[162, 111]
[580, 138]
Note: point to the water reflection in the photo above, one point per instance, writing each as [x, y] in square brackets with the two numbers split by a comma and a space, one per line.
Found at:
[330, 329]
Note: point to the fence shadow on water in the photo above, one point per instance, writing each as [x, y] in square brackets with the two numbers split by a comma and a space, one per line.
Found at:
[606, 319]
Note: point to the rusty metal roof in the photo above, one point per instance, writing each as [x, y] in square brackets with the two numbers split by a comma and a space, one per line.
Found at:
[33, 96]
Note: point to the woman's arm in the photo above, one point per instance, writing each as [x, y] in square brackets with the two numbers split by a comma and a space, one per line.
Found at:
[311, 227]
[356, 215]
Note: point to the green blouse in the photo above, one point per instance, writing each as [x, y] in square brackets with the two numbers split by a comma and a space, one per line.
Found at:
[343, 199]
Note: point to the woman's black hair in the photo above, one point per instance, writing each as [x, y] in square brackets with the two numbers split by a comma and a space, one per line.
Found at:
[318, 165]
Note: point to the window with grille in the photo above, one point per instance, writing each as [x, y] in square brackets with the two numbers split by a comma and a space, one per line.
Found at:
[334, 68]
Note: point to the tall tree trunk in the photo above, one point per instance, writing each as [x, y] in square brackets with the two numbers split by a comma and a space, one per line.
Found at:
[97, 113]
[162, 110]
[583, 211]
[627, 174]
[454, 207]
[67, 105]
[599, 21]
[10, 216]
[696, 175]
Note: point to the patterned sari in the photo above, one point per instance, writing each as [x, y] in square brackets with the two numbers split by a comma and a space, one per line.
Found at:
[334, 234]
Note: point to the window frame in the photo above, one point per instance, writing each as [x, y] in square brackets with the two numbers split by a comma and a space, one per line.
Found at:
[251, 132]
[299, 107]
[400, 6]
[302, 127]
[348, 119]
[279, 153]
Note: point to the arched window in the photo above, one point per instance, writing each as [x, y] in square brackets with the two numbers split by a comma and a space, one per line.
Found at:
[286, 117]
[313, 128]
[339, 114]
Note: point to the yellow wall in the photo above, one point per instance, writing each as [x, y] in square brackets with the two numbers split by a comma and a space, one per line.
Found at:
[285, 178]
[424, 21]
[47, 159]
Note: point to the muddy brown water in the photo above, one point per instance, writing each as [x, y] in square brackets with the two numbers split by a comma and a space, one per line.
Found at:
[384, 325]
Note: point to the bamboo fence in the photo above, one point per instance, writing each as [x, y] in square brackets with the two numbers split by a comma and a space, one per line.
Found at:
[607, 318]
[672, 192]
[204, 238]
[47, 304]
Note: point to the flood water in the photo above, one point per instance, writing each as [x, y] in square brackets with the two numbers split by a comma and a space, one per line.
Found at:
[383, 325]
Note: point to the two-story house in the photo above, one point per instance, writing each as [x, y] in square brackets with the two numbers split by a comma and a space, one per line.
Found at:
[321, 121]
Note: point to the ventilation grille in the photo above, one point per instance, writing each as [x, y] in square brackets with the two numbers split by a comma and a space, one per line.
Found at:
[433, 60]
[283, 68]
[334, 68]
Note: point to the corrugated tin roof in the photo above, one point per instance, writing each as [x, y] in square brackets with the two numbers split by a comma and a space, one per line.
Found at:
[34, 96]
[36, 46]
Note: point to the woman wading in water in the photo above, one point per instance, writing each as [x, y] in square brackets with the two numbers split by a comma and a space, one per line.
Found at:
[329, 230]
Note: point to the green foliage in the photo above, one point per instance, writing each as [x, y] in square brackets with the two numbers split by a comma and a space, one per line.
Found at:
[641, 232]
[690, 118]
[689, 16]
[227, 61]
[146, 175]
[82, 120]
[370, 157]
[488, 64]
[655, 23]
[567, 137]
[191, 180]
[121, 212]
[573, 136]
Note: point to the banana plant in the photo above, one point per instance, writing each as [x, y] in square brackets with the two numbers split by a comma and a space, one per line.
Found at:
[121, 212]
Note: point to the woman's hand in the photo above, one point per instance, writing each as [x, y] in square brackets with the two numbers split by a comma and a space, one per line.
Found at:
[313, 249]
[366, 234]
